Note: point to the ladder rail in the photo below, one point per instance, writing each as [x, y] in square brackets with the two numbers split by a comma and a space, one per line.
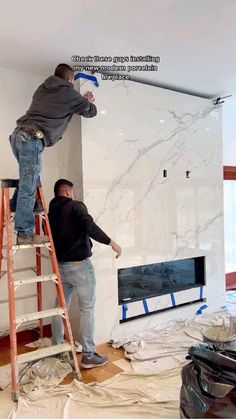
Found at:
[60, 291]
[39, 273]
[1, 228]
[11, 296]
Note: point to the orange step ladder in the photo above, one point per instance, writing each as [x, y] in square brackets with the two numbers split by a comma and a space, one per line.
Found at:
[68, 348]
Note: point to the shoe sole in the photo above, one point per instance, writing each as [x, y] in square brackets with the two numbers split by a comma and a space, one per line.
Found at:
[87, 366]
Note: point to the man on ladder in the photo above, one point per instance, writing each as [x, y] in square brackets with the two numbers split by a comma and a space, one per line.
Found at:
[50, 112]
[43, 125]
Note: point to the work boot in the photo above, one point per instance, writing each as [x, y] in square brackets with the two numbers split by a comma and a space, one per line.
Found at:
[93, 361]
[34, 239]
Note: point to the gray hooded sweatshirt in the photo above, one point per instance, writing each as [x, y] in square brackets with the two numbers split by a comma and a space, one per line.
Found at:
[52, 107]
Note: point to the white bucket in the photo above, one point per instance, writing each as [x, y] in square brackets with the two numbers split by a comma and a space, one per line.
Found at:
[220, 336]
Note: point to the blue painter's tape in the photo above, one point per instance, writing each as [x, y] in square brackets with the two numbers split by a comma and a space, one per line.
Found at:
[124, 310]
[200, 310]
[87, 77]
[201, 293]
[172, 299]
[145, 305]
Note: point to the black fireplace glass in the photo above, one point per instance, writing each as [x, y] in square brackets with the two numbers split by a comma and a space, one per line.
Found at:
[146, 281]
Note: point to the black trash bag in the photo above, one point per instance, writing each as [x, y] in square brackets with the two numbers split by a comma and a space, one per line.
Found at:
[209, 383]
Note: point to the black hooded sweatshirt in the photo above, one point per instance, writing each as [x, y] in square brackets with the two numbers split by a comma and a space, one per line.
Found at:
[72, 227]
[52, 107]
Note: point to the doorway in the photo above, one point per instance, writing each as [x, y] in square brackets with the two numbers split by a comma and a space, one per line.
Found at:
[230, 225]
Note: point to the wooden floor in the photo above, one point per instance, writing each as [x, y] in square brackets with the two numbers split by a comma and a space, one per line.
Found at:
[90, 375]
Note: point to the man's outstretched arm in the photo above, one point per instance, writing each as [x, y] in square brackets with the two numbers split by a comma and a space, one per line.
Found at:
[83, 105]
[86, 224]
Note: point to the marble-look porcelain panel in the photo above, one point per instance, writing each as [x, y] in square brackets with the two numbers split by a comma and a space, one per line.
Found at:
[139, 132]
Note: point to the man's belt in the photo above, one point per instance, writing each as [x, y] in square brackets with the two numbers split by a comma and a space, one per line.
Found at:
[76, 263]
[36, 133]
[39, 135]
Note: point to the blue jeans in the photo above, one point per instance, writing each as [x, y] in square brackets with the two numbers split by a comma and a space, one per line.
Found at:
[27, 150]
[78, 278]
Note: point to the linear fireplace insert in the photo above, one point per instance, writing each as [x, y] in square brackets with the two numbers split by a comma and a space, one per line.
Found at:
[147, 281]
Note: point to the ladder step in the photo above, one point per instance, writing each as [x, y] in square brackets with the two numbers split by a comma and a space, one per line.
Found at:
[9, 183]
[39, 315]
[39, 278]
[31, 268]
[37, 212]
[28, 246]
[43, 353]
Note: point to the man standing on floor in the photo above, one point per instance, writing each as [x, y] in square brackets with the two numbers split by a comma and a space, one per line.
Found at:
[43, 125]
[72, 227]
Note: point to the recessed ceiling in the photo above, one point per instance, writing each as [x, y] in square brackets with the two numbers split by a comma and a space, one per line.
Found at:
[195, 39]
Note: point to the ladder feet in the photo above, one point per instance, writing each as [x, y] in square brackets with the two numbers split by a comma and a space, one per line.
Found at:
[68, 357]
[77, 376]
[15, 396]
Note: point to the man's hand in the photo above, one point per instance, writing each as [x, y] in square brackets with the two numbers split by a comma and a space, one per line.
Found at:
[89, 96]
[117, 249]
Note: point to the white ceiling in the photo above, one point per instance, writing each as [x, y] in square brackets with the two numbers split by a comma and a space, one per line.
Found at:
[194, 38]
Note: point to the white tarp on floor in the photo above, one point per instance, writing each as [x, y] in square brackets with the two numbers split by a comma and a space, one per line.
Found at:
[41, 375]
[164, 348]
[150, 391]
[128, 395]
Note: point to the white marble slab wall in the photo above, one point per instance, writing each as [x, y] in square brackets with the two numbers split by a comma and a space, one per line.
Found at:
[140, 131]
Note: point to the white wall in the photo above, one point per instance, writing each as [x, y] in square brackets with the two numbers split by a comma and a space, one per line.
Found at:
[70, 167]
[125, 149]
[70, 156]
[16, 90]
[229, 132]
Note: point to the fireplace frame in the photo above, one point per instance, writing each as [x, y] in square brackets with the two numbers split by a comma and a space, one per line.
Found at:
[163, 301]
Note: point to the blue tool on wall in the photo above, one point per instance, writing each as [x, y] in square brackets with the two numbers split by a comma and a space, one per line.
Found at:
[87, 77]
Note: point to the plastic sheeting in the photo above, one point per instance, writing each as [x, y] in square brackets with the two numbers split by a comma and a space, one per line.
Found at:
[128, 395]
[151, 391]
[165, 347]
[209, 383]
[41, 375]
